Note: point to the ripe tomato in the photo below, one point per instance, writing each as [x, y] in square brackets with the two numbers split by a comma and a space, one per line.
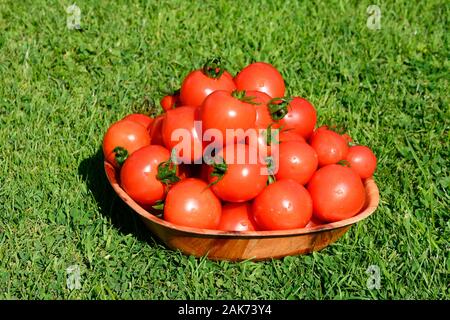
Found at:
[284, 204]
[138, 176]
[296, 160]
[337, 193]
[170, 101]
[289, 135]
[261, 76]
[330, 146]
[180, 123]
[223, 110]
[362, 160]
[237, 217]
[142, 119]
[260, 100]
[191, 203]
[201, 83]
[240, 177]
[301, 117]
[122, 139]
[155, 131]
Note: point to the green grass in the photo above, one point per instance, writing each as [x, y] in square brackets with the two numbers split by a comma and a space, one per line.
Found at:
[61, 89]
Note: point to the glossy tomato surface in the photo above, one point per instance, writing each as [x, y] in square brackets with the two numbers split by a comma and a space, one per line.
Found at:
[261, 76]
[284, 204]
[138, 175]
[362, 160]
[179, 130]
[243, 177]
[142, 119]
[237, 217]
[296, 160]
[197, 86]
[330, 146]
[191, 203]
[300, 118]
[337, 193]
[124, 134]
[222, 111]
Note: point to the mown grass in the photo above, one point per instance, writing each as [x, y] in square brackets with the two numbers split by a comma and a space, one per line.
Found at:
[60, 89]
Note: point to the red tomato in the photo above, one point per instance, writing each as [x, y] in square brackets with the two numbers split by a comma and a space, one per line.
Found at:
[289, 135]
[284, 204]
[260, 100]
[168, 102]
[296, 160]
[223, 110]
[155, 131]
[181, 121]
[241, 177]
[362, 160]
[261, 76]
[237, 217]
[301, 117]
[337, 193]
[201, 83]
[142, 119]
[126, 135]
[138, 176]
[191, 203]
[330, 146]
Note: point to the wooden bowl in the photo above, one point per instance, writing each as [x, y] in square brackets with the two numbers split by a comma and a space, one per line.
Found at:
[256, 245]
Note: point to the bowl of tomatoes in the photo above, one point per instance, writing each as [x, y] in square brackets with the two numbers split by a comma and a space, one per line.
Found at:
[235, 170]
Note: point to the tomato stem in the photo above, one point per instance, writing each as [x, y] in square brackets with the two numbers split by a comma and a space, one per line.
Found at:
[213, 68]
[270, 168]
[219, 170]
[121, 154]
[241, 96]
[167, 172]
[271, 135]
[278, 107]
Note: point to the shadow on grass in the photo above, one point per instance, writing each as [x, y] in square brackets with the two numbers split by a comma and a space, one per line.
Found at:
[111, 206]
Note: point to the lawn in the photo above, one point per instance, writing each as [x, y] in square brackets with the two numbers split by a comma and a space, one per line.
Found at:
[60, 89]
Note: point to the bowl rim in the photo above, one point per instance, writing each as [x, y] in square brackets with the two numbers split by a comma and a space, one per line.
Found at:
[372, 201]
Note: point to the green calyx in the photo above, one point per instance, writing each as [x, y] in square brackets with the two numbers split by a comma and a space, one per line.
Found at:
[241, 95]
[213, 68]
[121, 154]
[278, 107]
[219, 170]
[167, 172]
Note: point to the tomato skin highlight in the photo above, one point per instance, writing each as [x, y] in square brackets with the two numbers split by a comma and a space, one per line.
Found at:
[138, 175]
[301, 117]
[329, 146]
[297, 161]
[142, 119]
[191, 203]
[337, 193]
[284, 204]
[182, 118]
[237, 217]
[222, 111]
[125, 134]
[362, 160]
[261, 76]
[197, 86]
[241, 181]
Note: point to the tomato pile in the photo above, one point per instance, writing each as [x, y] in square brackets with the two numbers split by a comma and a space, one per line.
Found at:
[302, 175]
